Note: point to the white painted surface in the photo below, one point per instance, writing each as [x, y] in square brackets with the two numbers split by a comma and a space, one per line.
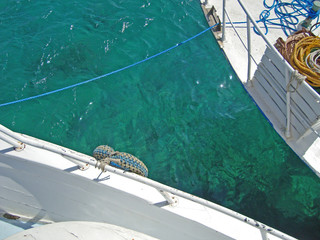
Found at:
[79, 230]
[313, 153]
[46, 186]
[10, 227]
[233, 47]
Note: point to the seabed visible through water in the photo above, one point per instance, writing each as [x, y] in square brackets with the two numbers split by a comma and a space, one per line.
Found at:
[184, 113]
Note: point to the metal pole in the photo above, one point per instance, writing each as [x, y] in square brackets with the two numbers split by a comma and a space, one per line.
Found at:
[18, 146]
[223, 21]
[172, 200]
[161, 187]
[262, 34]
[249, 48]
[48, 146]
[288, 102]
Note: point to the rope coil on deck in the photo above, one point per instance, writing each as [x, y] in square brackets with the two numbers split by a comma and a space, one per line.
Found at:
[286, 47]
[302, 51]
[107, 156]
[304, 59]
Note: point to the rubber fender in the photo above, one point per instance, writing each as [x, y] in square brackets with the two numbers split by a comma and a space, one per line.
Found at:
[102, 151]
[120, 160]
[129, 162]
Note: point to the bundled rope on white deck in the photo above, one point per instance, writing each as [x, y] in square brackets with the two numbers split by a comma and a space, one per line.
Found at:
[107, 156]
[302, 51]
[312, 61]
[305, 58]
[286, 47]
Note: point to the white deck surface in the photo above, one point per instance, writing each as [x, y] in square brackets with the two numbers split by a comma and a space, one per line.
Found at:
[233, 46]
[10, 227]
[77, 230]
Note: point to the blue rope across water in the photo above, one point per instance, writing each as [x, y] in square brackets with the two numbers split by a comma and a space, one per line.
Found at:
[107, 74]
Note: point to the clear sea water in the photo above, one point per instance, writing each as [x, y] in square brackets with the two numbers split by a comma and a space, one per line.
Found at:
[184, 114]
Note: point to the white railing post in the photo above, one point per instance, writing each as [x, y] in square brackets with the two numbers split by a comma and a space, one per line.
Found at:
[288, 101]
[261, 33]
[171, 200]
[223, 20]
[14, 138]
[249, 48]
[17, 145]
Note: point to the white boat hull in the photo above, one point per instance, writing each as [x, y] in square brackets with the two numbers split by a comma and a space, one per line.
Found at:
[43, 182]
[45, 193]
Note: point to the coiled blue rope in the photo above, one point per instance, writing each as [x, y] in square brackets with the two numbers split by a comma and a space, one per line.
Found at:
[107, 74]
[287, 14]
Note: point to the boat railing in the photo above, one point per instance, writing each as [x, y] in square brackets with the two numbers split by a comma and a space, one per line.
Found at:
[307, 123]
[19, 142]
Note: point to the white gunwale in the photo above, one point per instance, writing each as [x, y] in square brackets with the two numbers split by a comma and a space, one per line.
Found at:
[44, 167]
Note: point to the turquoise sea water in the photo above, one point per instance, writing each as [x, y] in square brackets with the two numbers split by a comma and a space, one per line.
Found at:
[184, 114]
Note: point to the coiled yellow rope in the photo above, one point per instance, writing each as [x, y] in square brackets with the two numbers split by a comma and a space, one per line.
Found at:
[301, 55]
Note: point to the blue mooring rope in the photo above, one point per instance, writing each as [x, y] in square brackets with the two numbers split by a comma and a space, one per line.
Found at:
[107, 74]
[288, 21]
